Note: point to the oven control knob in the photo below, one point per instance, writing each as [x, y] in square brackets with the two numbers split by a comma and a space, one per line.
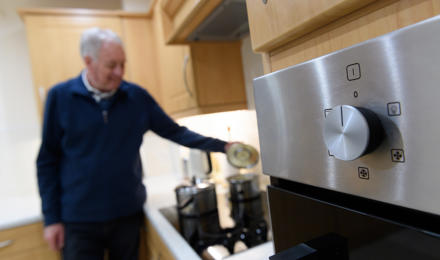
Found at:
[350, 132]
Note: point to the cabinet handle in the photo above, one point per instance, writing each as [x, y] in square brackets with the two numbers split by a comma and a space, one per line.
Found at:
[185, 79]
[6, 243]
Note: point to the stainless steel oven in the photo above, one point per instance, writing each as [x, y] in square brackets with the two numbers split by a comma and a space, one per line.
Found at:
[351, 139]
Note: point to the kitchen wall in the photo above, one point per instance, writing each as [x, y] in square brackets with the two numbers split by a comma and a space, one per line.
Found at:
[19, 123]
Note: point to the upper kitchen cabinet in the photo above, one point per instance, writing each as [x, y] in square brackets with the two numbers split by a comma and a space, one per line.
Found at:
[53, 39]
[291, 32]
[273, 23]
[200, 77]
[203, 20]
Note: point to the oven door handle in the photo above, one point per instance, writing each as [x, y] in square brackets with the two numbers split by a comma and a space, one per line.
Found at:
[329, 246]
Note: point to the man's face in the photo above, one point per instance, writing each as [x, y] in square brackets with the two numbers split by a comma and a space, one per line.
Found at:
[106, 72]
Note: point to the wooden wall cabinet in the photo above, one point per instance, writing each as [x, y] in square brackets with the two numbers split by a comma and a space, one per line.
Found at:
[317, 28]
[200, 77]
[53, 40]
[276, 22]
[24, 243]
[181, 17]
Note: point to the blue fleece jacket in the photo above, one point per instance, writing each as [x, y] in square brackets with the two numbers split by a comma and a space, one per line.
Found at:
[89, 167]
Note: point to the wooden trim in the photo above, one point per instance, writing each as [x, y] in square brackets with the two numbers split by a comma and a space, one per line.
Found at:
[83, 12]
[150, 11]
[267, 67]
[170, 7]
[183, 20]
[197, 20]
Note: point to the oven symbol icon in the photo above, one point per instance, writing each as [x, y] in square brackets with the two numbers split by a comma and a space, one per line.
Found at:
[353, 71]
[363, 173]
[394, 109]
[397, 155]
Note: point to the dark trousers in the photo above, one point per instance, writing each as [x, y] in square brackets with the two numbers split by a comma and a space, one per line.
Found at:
[118, 238]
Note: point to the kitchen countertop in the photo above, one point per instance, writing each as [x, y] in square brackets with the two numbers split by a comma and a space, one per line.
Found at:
[160, 193]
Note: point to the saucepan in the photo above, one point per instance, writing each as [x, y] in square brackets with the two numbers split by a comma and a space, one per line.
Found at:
[196, 199]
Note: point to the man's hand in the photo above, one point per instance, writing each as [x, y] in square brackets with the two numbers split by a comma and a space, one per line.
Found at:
[228, 145]
[54, 236]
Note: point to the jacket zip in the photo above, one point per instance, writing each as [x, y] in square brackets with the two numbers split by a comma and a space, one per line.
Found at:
[105, 116]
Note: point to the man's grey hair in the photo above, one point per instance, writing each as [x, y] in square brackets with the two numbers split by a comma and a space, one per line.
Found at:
[92, 40]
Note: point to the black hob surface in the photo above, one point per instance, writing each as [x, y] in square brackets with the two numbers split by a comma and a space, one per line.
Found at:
[244, 222]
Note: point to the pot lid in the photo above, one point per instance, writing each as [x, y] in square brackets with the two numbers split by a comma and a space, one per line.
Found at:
[195, 188]
[242, 155]
[242, 178]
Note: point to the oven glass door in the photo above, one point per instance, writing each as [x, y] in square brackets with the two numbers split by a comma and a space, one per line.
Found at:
[297, 220]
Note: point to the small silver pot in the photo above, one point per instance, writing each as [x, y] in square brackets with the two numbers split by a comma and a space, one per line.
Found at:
[196, 200]
[243, 187]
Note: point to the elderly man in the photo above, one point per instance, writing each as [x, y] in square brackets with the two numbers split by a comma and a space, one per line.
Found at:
[89, 167]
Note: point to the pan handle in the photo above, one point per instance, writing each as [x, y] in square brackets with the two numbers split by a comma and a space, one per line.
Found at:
[208, 159]
[186, 203]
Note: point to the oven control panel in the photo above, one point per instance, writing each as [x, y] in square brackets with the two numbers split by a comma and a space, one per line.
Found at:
[364, 120]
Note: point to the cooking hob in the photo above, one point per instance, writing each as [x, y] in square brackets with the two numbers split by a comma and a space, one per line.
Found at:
[230, 226]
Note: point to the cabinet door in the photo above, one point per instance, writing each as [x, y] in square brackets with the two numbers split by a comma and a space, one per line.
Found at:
[178, 79]
[54, 47]
[26, 242]
[36, 254]
[140, 50]
[218, 74]
[273, 23]
[374, 20]
[156, 249]
[176, 73]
